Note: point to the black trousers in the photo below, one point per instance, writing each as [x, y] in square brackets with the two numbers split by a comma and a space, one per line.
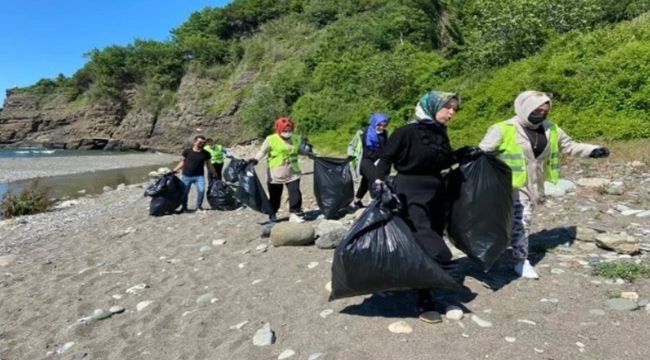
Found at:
[424, 200]
[218, 168]
[368, 172]
[295, 196]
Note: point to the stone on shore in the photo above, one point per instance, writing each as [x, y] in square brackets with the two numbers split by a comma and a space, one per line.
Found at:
[292, 234]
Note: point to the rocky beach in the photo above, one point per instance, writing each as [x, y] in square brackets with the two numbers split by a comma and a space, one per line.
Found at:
[101, 279]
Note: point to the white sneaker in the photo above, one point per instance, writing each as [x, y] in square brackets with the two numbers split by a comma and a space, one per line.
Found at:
[296, 218]
[526, 270]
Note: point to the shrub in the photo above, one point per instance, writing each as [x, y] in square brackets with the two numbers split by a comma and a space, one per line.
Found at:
[31, 200]
[623, 270]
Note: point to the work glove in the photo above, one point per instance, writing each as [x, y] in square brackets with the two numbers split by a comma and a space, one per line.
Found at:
[601, 152]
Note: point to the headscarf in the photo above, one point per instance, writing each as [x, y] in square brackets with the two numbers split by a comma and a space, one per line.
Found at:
[431, 103]
[526, 103]
[282, 124]
[372, 138]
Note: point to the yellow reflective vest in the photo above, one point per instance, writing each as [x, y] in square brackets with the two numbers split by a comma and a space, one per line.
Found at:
[216, 153]
[281, 153]
[513, 155]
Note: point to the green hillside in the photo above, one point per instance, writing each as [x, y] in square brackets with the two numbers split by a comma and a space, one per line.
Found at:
[329, 64]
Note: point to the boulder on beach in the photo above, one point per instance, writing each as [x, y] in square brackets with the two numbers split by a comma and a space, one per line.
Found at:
[292, 234]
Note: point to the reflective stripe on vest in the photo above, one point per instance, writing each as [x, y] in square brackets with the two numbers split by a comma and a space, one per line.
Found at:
[513, 155]
[216, 153]
[281, 154]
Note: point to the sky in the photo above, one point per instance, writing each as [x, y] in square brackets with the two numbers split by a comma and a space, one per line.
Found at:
[42, 38]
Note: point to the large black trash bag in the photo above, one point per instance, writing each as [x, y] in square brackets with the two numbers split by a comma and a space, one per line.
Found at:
[333, 186]
[231, 172]
[379, 253]
[167, 195]
[221, 196]
[480, 211]
[250, 191]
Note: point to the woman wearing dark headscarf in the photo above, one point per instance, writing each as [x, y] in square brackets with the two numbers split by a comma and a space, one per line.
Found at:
[365, 149]
[419, 152]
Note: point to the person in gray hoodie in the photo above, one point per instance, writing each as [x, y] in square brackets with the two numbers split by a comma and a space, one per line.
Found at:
[531, 144]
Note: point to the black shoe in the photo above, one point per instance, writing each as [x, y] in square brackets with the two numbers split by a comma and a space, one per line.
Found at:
[359, 204]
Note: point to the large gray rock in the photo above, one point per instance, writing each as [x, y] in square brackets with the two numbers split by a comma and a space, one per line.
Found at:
[327, 226]
[292, 234]
[621, 243]
[560, 189]
[330, 239]
[615, 188]
[586, 234]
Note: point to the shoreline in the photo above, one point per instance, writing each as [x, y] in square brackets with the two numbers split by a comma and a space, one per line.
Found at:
[17, 169]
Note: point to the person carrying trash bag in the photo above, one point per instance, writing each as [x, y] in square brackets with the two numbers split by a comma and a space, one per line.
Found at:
[282, 149]
[192, 163]
[363, 153]
[379, 253]
[530, 144]
[250, 191]
[419, 151]
[166, 193]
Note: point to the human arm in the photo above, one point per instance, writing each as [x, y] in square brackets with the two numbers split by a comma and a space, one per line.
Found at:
[266, 146]
[570, 147]
[394, 150]
[181, 163]
[352, 145]
[491, 140]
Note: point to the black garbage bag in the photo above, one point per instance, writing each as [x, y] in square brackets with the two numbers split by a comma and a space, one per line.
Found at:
[250, 191]
[333, 186]
[231, 172]
[166, 195]
[479, 219]
[221, 196]
[379, 253]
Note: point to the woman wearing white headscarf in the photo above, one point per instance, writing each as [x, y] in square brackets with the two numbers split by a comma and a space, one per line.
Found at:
[530, 145]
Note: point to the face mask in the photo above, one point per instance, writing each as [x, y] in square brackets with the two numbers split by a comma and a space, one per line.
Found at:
[286, 134]
[537, 117]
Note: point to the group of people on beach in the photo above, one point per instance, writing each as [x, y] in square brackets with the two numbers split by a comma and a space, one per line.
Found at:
[529, 143]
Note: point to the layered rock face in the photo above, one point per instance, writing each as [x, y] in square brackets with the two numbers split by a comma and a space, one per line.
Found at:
[28, 119]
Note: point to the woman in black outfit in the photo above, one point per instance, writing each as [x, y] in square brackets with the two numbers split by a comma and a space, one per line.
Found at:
[372, 140]
[419, 151]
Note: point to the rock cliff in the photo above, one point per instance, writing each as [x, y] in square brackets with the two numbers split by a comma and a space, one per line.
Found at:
[54, 121]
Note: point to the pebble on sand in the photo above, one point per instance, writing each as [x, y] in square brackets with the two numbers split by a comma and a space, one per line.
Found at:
[205, 298]
[134, 290]
[218, 242]
[239, 326]
[101, 314]
[630, 295]
[480, 322]
[400, 327]
[264, 336]
[312, 264]
[328, 286]
[205, 248]
[622, 304]
[315, 356]
[597, 312]
[116, 309]
[510, 339]
[325, 313]
[529, 322]
[286, 354]
[65, 347]
[454, 313]
[143, 304]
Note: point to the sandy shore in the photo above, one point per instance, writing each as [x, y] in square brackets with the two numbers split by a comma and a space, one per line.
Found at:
[26, 168]
[208, 299]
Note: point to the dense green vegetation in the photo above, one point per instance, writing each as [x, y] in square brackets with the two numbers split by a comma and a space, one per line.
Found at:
[330, 63]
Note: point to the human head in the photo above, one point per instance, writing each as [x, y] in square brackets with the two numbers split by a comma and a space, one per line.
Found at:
[283, 125]
[209, 141]
[437, 106]
[199, 140]
[378, 122]
[535, 103]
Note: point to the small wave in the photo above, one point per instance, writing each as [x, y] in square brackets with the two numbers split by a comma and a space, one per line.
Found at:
[22, 152]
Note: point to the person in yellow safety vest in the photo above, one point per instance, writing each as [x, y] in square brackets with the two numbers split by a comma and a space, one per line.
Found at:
[217, 154]
[282, 149]
[530, 144]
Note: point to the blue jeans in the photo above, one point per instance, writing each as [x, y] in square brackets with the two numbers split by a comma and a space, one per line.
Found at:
[199, 181]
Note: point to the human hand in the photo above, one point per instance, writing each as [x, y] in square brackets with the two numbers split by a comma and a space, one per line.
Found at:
[601, 152]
